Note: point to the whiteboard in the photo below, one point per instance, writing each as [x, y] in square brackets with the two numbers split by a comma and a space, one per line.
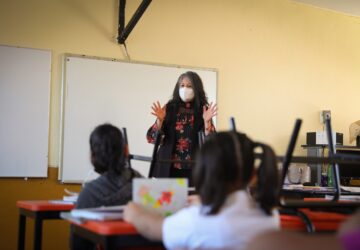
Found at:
[97, 91]
[24, 111]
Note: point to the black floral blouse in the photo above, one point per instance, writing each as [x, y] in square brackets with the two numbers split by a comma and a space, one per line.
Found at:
[183, 131]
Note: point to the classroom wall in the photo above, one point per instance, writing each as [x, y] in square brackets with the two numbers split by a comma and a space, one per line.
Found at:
[276, 59]
[55, 232]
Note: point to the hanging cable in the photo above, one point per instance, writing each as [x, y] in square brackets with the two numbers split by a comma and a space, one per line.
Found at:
[126, 52]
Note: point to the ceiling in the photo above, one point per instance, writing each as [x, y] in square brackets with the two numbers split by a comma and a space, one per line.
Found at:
[350, 7]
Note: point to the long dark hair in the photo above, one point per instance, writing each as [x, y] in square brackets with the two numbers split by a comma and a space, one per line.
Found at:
[200, 98]
[107, 149]
[226, 163]
[173, 105]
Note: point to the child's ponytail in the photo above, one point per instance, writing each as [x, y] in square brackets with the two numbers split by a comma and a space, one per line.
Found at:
[267, 192]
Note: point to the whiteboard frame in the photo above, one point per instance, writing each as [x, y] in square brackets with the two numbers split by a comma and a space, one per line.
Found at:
[64, 90]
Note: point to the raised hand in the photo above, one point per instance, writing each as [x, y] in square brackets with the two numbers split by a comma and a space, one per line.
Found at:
[209, 112]
[158, 111]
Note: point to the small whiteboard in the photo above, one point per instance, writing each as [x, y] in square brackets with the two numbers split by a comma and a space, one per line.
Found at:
[24, 111]
[96, 91]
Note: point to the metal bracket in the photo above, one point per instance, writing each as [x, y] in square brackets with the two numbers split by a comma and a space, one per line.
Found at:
[123, 32]
[324, 114]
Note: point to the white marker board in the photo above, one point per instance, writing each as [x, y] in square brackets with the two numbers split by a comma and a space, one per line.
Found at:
[24, 110]
[97, 91]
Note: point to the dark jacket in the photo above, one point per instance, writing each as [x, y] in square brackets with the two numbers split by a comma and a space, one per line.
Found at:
[107, 190]
[166, 149]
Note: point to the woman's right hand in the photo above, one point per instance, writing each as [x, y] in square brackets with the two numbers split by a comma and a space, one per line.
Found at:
[159, 112]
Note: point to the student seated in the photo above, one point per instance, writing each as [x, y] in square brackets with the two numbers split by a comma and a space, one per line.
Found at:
[347, 238]
[228, 215]
[114, 185]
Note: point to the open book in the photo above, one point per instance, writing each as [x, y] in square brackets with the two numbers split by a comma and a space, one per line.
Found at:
[70, 198]
[99, 213]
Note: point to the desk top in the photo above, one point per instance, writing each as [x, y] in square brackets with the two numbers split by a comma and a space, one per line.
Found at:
[323, 215]
[115, 227]
[105, 228]
[322, 221]
[44, 205]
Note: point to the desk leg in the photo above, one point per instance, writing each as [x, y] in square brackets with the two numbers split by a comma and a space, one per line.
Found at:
[106, 245]
[37, 233]
[21, 235]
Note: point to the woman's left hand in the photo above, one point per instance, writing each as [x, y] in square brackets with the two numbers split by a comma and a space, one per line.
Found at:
[209, 112]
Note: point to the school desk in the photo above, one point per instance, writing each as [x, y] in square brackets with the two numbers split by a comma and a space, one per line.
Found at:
[117, 234]
[39, 211]
[111, 234]
[320, 221]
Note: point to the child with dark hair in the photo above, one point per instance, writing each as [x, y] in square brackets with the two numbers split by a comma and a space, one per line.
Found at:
[114, 185]
[228, 215]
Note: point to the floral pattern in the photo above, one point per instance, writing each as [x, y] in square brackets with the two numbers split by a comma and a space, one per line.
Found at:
[183, 130]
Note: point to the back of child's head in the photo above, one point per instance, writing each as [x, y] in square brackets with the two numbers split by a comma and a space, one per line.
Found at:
[226, 163]
[107, 149]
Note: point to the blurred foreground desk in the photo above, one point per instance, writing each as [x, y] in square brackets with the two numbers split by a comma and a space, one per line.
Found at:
[111, 234]
[321, 221]
[39, 211]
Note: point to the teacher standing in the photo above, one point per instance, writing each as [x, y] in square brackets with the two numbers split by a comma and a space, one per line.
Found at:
[180, 121]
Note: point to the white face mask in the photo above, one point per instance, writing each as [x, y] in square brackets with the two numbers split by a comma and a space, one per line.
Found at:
[186, 94]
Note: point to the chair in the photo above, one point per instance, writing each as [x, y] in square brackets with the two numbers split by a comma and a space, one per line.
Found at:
[314, 204]
[127, 150]
[154, 154]
[293, 207]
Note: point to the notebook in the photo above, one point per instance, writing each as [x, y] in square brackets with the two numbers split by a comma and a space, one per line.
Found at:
[166, 195]
[99, 213]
